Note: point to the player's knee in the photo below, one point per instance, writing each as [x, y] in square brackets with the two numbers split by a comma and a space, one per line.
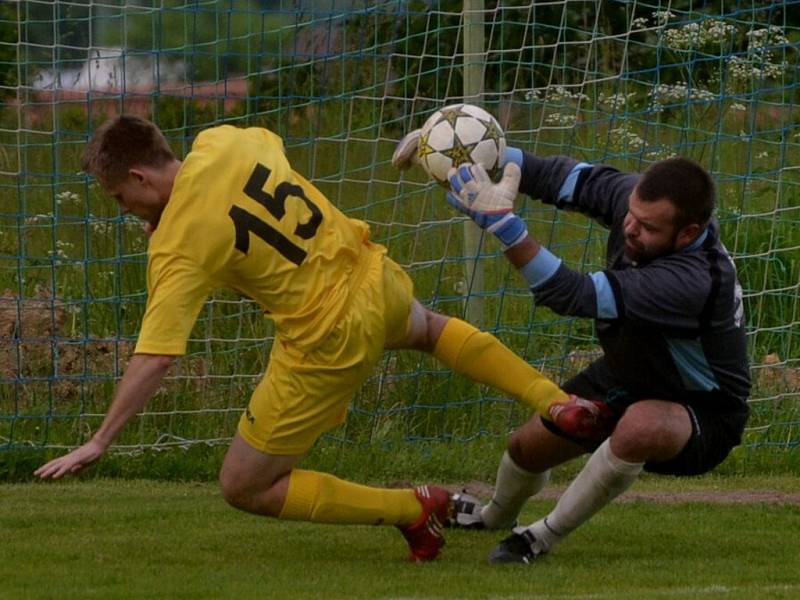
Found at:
[520, 451]
[232, 491]
[236, 491]
[425, 329]
[436, 323]
[251, 495]
[640, 435]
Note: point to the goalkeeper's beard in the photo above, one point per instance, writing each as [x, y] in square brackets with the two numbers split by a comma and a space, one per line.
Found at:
[641, 253]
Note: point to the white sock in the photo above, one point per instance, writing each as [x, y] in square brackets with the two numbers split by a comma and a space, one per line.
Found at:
[603, 478]
[513, 487]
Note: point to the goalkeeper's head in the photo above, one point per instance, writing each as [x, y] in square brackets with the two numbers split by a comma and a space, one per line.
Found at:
[134, 164]
[668, 209]
[683, 182]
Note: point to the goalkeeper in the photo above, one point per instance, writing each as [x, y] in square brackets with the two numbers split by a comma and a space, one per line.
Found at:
[235, 214]
[669, 317]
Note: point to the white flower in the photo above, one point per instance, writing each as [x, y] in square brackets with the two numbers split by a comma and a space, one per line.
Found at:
[680, 92]
[743, 69]
[100, 226]
[559, 93]
[560, 119]
[710, 32]
[615, 101]
[58, 255]
[659, 154]
[662, 16]
[67, 196]
[624, 138]
[40, 217]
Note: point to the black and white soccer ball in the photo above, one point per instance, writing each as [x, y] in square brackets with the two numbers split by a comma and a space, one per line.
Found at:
[457, 134]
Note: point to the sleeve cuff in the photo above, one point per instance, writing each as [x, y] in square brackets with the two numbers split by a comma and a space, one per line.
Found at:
[606, 301]
[540, 268]
[513, 155]
[568, 186]
[169, 349]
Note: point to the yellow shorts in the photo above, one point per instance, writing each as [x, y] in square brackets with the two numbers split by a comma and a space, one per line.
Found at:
[303, 395]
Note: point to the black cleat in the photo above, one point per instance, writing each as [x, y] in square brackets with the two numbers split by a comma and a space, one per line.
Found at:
[518, 548]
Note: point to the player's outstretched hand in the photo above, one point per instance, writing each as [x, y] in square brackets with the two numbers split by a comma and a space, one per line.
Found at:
[489, 204]
[73, 462]
[405, 155]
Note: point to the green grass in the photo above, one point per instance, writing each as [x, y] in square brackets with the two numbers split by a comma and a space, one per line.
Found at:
[475, 460]
[144, 539]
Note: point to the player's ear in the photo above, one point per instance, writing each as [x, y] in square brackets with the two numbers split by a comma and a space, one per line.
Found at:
[138, 175]
[688, 234]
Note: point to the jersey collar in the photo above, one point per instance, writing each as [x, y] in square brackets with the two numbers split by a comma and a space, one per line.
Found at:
[695, 245]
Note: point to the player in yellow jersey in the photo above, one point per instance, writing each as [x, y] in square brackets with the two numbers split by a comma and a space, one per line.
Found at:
[235, 214]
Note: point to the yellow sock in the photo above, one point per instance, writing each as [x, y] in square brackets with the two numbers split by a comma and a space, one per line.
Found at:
[322, 498]
[484, 359]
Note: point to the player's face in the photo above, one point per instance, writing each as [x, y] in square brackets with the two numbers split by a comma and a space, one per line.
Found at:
[650, 229]
[136, 196]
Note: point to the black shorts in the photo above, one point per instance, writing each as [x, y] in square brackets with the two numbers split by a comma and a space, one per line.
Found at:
[717, 423]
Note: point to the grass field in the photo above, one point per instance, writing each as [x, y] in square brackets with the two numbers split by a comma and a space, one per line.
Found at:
[146, 539]
[72, 293]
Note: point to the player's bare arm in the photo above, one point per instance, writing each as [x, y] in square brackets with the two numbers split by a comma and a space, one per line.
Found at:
[141, 381]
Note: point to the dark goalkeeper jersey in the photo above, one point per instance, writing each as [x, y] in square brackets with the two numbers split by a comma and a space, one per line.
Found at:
[671, 328]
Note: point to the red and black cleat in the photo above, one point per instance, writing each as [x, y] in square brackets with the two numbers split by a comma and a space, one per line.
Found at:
[584, 419]
[424, 536]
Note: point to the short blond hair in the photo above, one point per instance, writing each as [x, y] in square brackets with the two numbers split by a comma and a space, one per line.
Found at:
[122, 143]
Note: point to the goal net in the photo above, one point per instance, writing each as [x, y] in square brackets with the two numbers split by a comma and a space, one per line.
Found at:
[620, 82]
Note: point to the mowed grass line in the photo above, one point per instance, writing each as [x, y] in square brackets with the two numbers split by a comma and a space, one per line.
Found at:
[148, 539]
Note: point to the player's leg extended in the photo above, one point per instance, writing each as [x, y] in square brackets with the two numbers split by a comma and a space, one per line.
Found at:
[305, 394]
[259, 483]
[301, 396]
[270, 485]
[259, 476]
[481, 357]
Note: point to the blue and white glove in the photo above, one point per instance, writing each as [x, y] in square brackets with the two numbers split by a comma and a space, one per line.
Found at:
[489, 204]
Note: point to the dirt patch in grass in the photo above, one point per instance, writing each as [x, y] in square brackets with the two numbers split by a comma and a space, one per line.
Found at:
[484, 491]
[34, 343]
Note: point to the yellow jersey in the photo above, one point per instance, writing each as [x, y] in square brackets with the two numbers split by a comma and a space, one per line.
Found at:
[240, 217]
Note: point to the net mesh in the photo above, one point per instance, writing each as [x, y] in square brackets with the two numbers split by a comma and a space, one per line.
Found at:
[620, 82]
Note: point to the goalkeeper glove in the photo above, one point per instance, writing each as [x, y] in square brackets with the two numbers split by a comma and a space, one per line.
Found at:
[405, 154]
[489, 204]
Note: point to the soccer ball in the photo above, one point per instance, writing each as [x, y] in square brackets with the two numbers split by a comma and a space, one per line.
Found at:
[457, 134]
